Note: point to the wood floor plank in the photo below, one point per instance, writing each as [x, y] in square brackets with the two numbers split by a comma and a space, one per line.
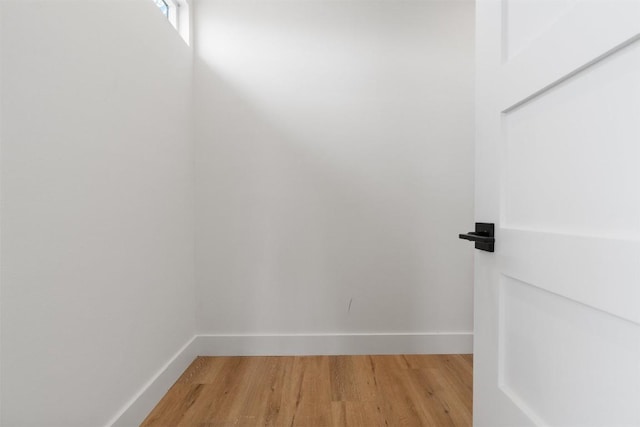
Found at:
[203, 370]
[357, 414]
[313, 402]
[400, 404]
[456, 402]
[172, 411]
[317, 391]
[220, 402]
[352, 378]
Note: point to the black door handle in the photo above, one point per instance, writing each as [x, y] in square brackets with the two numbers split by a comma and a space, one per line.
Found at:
[475, 237]
[483, 236]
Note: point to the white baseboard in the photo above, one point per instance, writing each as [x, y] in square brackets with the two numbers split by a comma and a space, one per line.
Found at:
[285, 345]
[148, 397]
[323, 344]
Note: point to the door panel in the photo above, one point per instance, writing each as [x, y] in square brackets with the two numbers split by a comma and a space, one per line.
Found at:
[544, 340]
[571, 36]
[580, 142]
[527, 21]
[557, 306]
[599, 272]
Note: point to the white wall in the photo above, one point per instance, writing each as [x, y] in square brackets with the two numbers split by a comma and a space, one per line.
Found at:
[334, 164]
[97, 206]
[334, 167]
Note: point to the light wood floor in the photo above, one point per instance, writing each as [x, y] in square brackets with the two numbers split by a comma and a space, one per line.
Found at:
[319, 391]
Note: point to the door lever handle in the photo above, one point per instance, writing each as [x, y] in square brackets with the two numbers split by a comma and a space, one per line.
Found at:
[483, 236]
[477, 237]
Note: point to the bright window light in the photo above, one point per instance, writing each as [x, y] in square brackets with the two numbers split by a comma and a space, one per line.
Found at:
[163, 6]
[177, 13]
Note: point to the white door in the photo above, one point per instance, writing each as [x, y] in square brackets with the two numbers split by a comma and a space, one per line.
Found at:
[557, 305]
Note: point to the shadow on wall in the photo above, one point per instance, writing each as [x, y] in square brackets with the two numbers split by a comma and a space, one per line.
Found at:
[331, 179]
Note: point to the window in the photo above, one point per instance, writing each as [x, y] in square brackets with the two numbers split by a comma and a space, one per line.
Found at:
[169, 9]
[163, 6]
[177, 13]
